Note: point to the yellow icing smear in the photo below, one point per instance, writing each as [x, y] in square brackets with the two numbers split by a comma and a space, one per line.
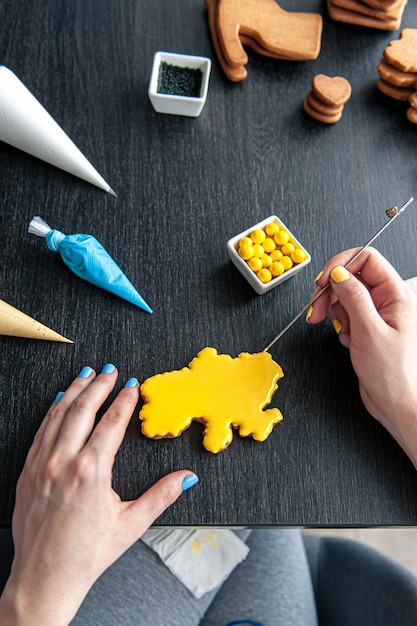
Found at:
[221, 391]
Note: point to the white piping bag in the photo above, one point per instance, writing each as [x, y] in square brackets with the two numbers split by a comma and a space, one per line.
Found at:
[25, 124]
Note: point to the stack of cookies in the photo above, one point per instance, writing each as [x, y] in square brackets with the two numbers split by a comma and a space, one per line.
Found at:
[266, 28]
[327, 97]
[412, 110]
[383, 14]
[398, 70]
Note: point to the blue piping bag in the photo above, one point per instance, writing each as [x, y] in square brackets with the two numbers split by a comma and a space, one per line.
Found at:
[87, 258]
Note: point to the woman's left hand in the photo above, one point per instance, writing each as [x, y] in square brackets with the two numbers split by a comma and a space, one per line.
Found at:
[69, 525]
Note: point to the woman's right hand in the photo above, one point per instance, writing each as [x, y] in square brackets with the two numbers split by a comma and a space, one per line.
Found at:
[374, 313]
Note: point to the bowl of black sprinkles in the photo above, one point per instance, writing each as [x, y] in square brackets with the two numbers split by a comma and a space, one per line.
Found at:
[179, 83]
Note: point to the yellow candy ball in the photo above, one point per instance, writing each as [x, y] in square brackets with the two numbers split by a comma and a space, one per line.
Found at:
[255, 264]
[277, 268]
[269, 245]
[246, 252]
[276, 255]
[281, 237]
[287, 262]
[245, 241]
[264, 275]
[266, 260]
[271, 229]
[258, 250]
[257, 235]
[288, 248]
[298, 256]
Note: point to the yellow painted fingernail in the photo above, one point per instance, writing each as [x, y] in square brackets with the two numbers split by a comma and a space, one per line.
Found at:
[319, 275]
[337, 325]
[339, 274]
[309, 313]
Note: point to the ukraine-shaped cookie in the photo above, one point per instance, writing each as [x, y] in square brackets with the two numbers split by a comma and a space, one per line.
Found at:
[218, 390]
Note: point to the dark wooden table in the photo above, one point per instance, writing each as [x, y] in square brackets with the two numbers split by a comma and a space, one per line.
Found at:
[185, 186]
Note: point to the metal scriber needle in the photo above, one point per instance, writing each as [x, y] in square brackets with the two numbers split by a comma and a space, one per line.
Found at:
[392, 213]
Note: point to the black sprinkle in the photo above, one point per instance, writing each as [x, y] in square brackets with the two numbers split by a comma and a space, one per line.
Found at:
[179, 81]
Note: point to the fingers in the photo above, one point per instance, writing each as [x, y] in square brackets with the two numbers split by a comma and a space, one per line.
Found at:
[70, 420]
[52, 422]
[370, 264]
[356, 307]
[110, 431]
[141, 513]
[82, 411]
[371, 268]
[341, 323]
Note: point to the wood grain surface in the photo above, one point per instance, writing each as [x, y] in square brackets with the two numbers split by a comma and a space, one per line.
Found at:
[185, 186]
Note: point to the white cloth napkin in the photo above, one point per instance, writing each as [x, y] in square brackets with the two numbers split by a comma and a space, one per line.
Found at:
[201, 559]
[412, 282]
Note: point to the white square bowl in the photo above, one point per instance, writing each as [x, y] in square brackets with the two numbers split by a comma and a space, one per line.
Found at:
[175, 104]
[249, 274]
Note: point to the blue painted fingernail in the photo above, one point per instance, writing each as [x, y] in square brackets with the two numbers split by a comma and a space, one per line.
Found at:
[108, 368]
[58, 396]
[132, 382]
[189, 481]
[85, 372]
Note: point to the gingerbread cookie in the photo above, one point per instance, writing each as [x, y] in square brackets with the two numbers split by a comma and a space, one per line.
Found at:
[233, 73]
[252, 43]
[332, 91]
[398, 71]
[327, 97]
[412, 115]
[380, 4]
[397, 93]
[322, 107]
[356, 6]
[357, 12]
[327, 118]
[402, 53]
[413, 100]
[396, 77]
[412, 111]
[266, 28]
[294, 35]
[222, 392]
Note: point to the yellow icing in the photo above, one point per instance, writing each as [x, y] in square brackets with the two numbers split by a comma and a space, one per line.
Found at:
[222, 391]
[206, 540]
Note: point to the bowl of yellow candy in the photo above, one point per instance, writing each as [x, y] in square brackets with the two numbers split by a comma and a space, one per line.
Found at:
[267, 254]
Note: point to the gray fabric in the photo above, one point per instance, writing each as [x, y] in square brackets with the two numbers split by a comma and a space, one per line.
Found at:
[138, 590]
[272, 586]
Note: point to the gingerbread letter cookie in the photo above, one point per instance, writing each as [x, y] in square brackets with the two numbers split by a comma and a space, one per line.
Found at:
[218, 390]
[266, 28]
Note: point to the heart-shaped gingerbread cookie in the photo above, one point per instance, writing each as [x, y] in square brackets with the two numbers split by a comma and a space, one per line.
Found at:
[332, 90]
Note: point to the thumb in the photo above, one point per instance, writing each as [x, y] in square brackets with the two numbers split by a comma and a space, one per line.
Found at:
[143, 512]
[357, 302]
